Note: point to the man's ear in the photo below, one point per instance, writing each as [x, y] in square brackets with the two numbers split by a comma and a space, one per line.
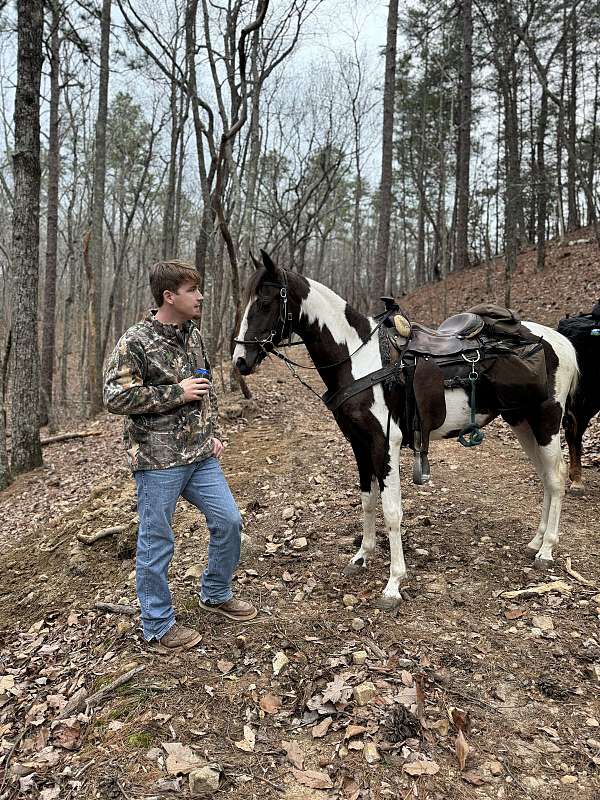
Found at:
[268, 264]
[167, 297]
[255, 261]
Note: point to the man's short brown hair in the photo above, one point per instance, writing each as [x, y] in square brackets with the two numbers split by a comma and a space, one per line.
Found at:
[170, 275]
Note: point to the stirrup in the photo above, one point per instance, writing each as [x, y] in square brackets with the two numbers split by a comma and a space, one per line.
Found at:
[471, 436]
[421, 468]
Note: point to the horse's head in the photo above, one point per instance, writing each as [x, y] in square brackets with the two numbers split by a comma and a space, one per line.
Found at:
[266, 321]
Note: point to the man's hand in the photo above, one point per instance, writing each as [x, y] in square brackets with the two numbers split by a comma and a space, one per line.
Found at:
[217, 448]
[194, 389]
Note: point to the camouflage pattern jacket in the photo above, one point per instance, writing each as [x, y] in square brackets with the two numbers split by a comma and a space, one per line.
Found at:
[141, 380]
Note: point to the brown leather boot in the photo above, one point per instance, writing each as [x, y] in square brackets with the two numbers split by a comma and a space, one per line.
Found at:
[237, 610]
[179, 638]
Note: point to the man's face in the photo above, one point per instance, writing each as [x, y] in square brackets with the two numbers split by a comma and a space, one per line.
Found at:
[185, 302]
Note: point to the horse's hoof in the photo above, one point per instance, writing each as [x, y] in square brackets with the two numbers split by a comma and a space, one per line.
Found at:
[530, 552]
[543, 564]
[353, 569]
[387, 603]
[576, 488]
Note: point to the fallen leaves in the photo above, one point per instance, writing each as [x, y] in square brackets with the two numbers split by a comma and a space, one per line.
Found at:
[320, 730]
[280, 662]
[462, 749]
[67, 733]
[294, 753]
[417, 768]
[337, 691]
[313, 779]
[248, 743]
[181, 759]
[270, 703]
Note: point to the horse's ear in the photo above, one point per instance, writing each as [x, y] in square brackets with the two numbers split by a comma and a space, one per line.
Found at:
[268, 263]
[255, 261]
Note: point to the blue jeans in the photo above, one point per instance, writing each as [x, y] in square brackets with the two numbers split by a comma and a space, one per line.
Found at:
[204, 485]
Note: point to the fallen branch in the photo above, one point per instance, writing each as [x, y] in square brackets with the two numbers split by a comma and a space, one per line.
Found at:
[541, 588]
[117, 608]
[63, 437]
[51, 548]
[375, 649]
[101, 534]
[74, 703]
[99, 696]
[574, 574]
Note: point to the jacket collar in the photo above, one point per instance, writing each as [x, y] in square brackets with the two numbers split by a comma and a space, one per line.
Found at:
[167, 329]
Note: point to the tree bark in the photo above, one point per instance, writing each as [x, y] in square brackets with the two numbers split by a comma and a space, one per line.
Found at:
[49, 310]
[542, 187]
[95, 244]
[385, 199]
[573, 219]
[591, 208]
[5, 476]
[464, 140]
[168, 231]
[26, 450]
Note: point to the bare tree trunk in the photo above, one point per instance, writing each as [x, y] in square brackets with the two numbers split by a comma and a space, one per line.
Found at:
[95, 243]
[573, 219]
[385, 198]
[542, 183]
[512, 190]
[49, 310]
[591, 208]
[5, 476]
[559, 141]
[26, 449]
[464, 140]
[168, 231]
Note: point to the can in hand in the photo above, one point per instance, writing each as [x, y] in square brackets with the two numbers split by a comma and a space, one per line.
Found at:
[201, 373]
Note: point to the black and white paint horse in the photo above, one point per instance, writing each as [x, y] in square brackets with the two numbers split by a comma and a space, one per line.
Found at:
[343, 348]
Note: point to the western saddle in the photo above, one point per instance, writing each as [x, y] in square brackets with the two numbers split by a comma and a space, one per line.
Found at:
[434, 359]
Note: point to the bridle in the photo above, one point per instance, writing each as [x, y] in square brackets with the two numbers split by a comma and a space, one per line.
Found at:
[284, 318]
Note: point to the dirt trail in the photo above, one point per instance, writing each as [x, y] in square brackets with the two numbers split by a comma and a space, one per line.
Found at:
[525, 671]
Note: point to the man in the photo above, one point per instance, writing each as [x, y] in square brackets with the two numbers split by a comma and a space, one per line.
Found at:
[173, 445]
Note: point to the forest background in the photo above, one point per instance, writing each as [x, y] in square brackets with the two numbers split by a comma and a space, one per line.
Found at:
[371, 148]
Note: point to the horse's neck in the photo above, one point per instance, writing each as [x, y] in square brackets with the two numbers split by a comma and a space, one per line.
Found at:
[324, 312]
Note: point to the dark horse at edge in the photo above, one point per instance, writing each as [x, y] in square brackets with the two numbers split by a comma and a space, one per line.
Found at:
[343, 349]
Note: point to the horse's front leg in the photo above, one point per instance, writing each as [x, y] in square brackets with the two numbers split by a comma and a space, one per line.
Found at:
[367, 545]
[391, 500]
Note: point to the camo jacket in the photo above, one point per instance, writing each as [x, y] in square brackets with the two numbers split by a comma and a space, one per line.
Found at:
[141, 380]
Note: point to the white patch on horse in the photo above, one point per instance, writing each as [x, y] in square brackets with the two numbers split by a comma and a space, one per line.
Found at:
[240, 349]
[458, 414]
[326, 308]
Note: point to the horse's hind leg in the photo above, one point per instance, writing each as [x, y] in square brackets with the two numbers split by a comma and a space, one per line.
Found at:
[554, 473]
[549, 465]
[573, 436]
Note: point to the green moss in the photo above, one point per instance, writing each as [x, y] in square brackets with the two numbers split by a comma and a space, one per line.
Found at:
[142, 740]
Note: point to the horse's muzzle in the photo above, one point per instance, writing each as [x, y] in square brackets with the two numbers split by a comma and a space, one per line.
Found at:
[242, 366]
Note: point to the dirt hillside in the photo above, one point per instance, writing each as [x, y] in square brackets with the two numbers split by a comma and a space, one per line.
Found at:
[466, 691]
